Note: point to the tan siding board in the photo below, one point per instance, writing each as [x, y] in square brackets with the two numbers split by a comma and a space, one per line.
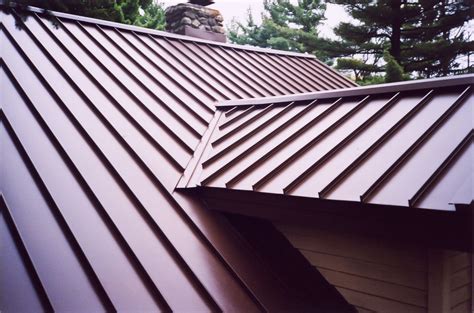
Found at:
[372, 274]
[378, 304]
[376, 288]
[461, 295]
[359, 248]
[414, 279]
[461, 278]
[363, 310]
[438, 282]
[464, 307]
[459, 262]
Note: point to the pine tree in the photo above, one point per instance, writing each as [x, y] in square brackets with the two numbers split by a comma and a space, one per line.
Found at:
[393, 70]
[122, 11]
[425, 37]
[152, 17]
[285, 26]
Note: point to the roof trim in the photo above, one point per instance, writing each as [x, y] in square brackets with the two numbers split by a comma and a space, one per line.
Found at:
[382, 221]
[355, 91]
[90, 20]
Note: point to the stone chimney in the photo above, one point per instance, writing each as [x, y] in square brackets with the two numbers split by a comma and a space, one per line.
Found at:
[195, 19]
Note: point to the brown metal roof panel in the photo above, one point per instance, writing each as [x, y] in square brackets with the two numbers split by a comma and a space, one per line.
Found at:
[285, 66]
[307, 148]
[119, 67]
[320, 75]
[347, 128]
[154, 80]
[339, 156]
[275, 158]
[219, 69]
[279, 77]
[232, 157]
[362, 146]
[68, 194]
[247, 71]
[228, 139]
[416, 170]
[314, 81]
[432, 83]
[269, 155]
[119, 206]
[116, 121]
[276, 82]
[238, 73]
[87, 81]
[19, 282]
[420, 128]
[203, 76]
[320, 70]
[158, 71]
[39, 227]
[454, 180]
[103, 190]
[379, 161]
[209, 66]
[72, 99]
[238, 119]
[386, 148]
[346, 185]
[154, 63]
[243, 129]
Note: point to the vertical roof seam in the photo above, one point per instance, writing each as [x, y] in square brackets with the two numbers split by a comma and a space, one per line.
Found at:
[144, 70]
[28, 262]
[83, 95]
[296, 182]
[416, 145]
[420, 193]
[149, 285]
[170, 64]
[164, 105]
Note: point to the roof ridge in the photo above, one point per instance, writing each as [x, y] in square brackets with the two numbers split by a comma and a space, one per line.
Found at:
[355, 91]
[155, 32]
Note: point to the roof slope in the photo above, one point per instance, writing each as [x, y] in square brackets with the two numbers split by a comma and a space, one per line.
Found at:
[98, 122]
[163, 86]
[408, 144]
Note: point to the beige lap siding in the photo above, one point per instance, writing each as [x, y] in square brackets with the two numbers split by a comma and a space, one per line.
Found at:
[460, 269]
[373, 275]
[377, 275]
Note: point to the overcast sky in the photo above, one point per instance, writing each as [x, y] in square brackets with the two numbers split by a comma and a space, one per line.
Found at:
[238, 9]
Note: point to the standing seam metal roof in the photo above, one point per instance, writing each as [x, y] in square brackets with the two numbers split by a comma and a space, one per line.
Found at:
[98, 123]
[396, 144]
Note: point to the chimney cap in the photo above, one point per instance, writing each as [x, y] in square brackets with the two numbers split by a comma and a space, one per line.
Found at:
[201, 2]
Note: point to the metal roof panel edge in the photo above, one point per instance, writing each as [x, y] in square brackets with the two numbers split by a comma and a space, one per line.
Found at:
[158, 32]
[356, 91]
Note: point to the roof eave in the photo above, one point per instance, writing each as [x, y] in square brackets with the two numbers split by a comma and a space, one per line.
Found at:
[388, 221]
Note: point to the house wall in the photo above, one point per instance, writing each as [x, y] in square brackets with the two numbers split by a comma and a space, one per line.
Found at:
[377, 275]
[460, 282]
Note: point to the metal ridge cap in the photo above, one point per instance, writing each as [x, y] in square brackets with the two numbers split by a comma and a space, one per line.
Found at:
[139, 29]
[355, 91]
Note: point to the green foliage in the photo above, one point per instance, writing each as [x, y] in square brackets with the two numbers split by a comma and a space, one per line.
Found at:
[360, 69]
[285, 26]
[122, 11]
[393, 70]
[425, 37]
[153, 17]
[372, 80]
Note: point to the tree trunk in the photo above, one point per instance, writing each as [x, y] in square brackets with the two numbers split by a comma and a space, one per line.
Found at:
[396, 30]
